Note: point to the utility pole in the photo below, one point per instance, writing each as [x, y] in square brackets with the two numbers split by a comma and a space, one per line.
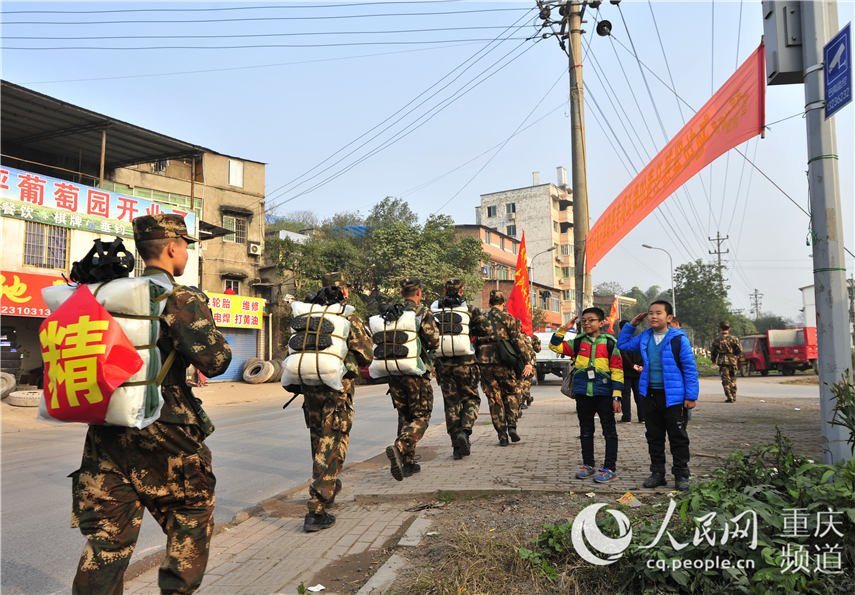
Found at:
[756, 302]
[718, 252]
[570, 39]
[819, 24]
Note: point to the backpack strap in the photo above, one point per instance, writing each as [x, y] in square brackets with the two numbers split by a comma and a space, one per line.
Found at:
[675, 349]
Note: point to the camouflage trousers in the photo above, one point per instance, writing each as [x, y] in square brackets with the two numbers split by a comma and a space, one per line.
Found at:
[164, 468]
[500, 385]
[524, 391]
[412, 396]
[728, 381]
[329, 417]
[459, 385]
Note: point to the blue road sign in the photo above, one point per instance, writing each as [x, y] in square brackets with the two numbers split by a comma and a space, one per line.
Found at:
[837, 55]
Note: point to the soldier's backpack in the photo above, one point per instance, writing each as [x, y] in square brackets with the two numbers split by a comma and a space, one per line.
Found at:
[453, 323]
[398, 349]
[318, 345]
[506, 351]
[135, 304]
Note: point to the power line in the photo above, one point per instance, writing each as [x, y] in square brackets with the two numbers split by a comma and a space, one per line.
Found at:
[222, 9]
[271, 18]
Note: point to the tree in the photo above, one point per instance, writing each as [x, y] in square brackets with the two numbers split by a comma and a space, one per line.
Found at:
[741, 325]
[701, 299]
[770, 321]
[608, 288]
[391, 210]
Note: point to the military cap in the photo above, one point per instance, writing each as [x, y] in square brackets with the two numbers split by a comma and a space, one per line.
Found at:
[453, 284]
[161, 227]
[497, 296]
[411, 284]
[335, 279]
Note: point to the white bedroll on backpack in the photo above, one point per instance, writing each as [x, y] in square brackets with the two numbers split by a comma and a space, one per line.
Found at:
[136, 304]
[398, 348]
[318, 345]
[453, 326]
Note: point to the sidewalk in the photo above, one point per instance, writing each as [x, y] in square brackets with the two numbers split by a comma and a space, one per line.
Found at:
[269, 553]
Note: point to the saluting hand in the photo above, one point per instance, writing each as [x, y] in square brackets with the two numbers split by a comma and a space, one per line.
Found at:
[638, 318]
[569, 324]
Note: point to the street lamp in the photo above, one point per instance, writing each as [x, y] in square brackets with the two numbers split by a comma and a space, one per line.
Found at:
[531, 282]
[673, 298]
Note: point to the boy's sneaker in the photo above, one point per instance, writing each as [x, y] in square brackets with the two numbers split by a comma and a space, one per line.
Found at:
[605, 475]
[585, 472]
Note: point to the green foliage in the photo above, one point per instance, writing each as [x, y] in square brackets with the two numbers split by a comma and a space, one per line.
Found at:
[843, 394]
[389, 211]
[701, 299]
[643, 299]
[741, 325]
[771, 321]
[446, 497]
[301, 588]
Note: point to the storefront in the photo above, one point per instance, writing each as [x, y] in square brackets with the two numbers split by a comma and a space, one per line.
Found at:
[241, 320]
[23, 310]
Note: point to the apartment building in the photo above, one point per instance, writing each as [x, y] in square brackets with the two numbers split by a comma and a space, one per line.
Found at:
[545, 213]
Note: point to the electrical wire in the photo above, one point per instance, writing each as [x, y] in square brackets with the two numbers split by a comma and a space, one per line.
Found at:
[225, 8]
[474, 59]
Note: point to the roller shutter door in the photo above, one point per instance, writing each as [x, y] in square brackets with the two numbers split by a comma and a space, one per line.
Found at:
[243, 343]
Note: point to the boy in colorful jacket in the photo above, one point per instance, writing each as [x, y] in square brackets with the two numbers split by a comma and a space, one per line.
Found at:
[597, 387]
[669, 386]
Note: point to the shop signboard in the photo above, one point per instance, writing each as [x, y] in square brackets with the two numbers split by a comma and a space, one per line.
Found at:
[236, 311]
[22, 293]
[42, 199]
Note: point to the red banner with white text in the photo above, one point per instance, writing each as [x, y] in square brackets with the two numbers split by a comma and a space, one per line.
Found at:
[733, 115]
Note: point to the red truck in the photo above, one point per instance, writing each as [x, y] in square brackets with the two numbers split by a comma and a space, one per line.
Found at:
[785, 350]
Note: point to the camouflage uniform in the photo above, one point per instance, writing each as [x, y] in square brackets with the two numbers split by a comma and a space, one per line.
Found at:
[412, 396]
[164, 467]
[524, 399]
[458, 380]
[497, 380]
[725, 351]
[329, 414]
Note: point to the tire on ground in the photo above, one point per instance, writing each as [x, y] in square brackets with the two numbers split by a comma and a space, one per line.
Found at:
[249, 362]
[258, 372]
[277, 371]
[24, 398]
[8, 384]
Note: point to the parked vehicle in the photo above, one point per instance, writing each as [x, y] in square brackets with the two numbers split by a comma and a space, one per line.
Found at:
[785, 350]
[549, 362]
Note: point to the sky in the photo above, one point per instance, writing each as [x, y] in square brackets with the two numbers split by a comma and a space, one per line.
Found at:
[439, 102]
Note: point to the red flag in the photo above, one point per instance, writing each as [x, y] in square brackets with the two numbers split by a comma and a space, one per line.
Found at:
[613, 316]
[734, 114]
[519, 302]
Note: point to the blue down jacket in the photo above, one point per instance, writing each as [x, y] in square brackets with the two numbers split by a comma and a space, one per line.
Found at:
[680, 385]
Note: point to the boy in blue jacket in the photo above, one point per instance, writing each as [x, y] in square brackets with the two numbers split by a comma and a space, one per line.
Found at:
[669, 385]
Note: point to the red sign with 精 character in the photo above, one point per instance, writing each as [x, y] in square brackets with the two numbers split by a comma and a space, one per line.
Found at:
[86, 356]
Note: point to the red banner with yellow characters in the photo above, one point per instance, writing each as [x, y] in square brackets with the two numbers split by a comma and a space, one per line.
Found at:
[733, 115]
[21, 293]
[86, 355]
[519, 302]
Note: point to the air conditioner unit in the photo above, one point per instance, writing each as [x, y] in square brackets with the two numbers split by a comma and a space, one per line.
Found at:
[254, 249]
[511, 216]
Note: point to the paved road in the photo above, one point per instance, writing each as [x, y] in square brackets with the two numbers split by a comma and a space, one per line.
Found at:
[259, 451]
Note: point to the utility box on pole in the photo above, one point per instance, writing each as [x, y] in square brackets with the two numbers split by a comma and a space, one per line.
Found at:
[782, 32]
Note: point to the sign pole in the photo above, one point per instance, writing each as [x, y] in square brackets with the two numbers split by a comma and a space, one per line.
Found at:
[819, 23]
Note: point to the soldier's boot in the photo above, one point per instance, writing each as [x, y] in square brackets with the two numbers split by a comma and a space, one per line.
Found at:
[512, 432]
[656, 479]
[410, 468]
[503, 438]
[317, 521]
[335, 492]
[456, 454]
[461, 443]
[396, 462]
[523, 405]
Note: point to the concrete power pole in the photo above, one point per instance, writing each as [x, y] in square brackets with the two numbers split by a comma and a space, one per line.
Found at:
[756, 302]
[819, 24]
[584, 291]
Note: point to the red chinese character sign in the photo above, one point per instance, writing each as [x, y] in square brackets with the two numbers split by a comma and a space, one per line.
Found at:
[86, 357]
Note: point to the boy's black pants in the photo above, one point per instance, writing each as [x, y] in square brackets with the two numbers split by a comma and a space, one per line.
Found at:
[586, 407]
[659, 421]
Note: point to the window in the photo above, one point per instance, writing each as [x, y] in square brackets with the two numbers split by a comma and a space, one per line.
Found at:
[501, 242]
[515, 247]
[503, 273]
[566, 249]
[491, 211]
[235, 173]
[566, 271]
[139, 265]
[565, 295]
[486, 237]
[237, 225]
[555, 226]
[512, 230]
[234, 285]
[510, 208]
[46, 246]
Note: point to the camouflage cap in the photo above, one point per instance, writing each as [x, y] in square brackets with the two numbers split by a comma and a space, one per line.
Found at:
[454, 284]
[497, 296]
[410, 284]
[335, 279]
[161, 227]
